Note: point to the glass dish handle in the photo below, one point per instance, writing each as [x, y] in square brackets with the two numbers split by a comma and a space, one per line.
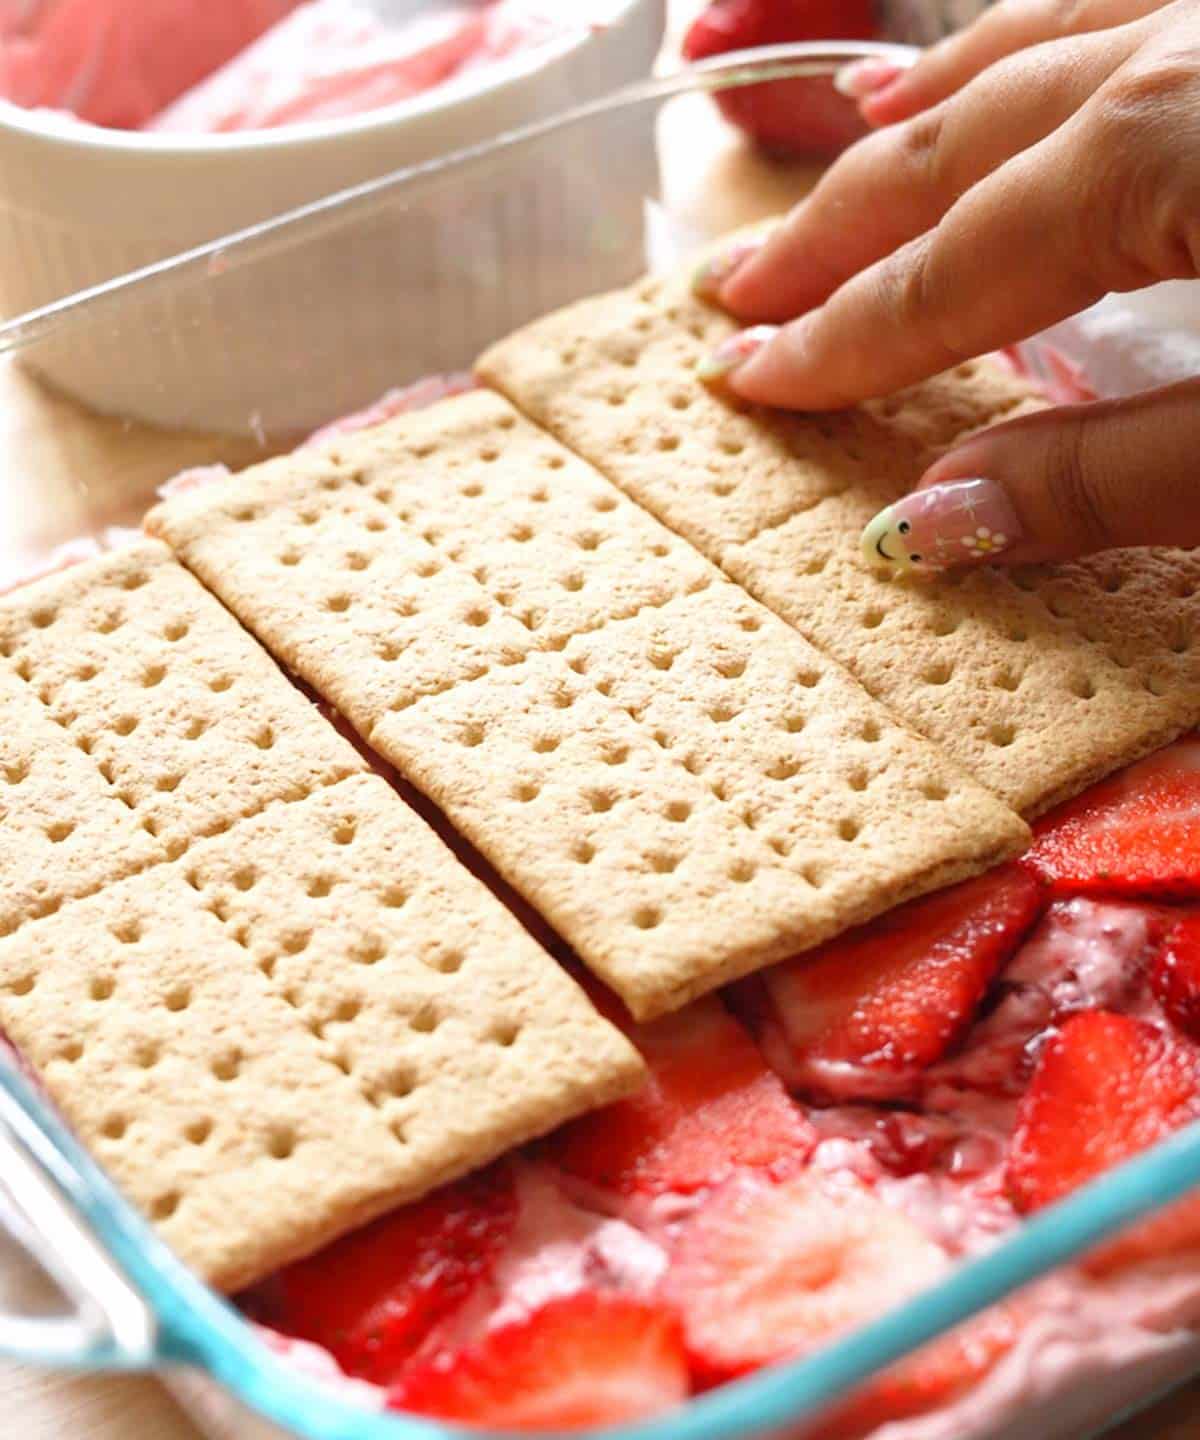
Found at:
[111, 1328]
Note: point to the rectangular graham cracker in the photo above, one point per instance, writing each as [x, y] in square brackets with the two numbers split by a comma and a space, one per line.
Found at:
[306, 1022]
[681, 784]
[63, 833]
[1038, 683]
[172, 707]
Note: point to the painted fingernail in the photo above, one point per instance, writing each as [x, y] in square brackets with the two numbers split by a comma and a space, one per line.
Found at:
[733, 353]
[964, 522]
[864, 77]
[708, 279]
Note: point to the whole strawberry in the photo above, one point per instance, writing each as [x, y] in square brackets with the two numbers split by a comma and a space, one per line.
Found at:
[787, 118]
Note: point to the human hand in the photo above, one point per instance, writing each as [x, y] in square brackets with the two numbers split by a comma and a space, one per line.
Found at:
[888, 92]
[1054, 176]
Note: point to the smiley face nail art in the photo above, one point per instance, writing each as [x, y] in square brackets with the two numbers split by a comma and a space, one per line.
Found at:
[965, 522]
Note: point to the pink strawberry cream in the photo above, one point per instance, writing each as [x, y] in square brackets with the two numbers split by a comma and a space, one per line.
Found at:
[814, 1148]
[208, 66]
[336, 58]
[120, 62]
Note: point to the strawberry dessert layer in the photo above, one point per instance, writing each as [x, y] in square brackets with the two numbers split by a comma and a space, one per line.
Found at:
[814, 1148]
[203, 67]
[819, 1145]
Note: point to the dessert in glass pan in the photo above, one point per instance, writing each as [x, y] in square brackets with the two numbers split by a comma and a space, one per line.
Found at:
[540, 935]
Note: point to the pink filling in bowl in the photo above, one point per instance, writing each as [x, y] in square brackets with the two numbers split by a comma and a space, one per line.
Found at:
[193, 66]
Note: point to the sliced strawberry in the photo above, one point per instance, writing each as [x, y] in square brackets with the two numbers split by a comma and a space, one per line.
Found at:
[1175, 975]
[588, 1359]
[372, 1298]
[861, 1018]
[710, 1107]
[1138, 833]
[764, 1272]
[1106, 1087]
[1085, 954]
[1165, 1236]
[785, 117]
[936, 1375]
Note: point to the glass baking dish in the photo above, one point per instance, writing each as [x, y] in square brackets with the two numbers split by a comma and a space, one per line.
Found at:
[253, 341]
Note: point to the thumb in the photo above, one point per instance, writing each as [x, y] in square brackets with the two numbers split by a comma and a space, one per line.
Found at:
[1054, 485]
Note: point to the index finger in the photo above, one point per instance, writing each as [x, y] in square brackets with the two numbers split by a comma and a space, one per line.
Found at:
[1004, 263]
[900, 182]
[1002, 30]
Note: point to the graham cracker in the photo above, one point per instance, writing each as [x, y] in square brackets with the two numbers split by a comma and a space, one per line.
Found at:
[673, 777]
[180, 715]
[63, 833]
[308, 1021]
[1038, 684]
[365, 609]
[546, 535]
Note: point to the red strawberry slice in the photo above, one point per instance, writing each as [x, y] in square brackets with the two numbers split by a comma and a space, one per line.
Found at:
[765, 1272]
[864, 1016]
[1106, 1087]
[1175, 975]
[1138, 833]
[373, 1297]
[1084, 955]
[936, 1375]
[588, 1359]
[785, 117]
[710, 1106]
[1168, 1235]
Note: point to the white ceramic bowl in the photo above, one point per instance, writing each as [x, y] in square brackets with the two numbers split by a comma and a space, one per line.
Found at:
[80, 204]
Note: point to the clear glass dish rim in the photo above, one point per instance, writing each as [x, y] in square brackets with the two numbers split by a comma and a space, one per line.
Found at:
[199, 1329]
[257, 243]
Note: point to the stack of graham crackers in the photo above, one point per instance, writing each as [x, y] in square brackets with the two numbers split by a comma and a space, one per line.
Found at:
[618, 632]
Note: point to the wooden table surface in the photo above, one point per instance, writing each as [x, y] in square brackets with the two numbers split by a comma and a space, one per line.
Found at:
[82, 466]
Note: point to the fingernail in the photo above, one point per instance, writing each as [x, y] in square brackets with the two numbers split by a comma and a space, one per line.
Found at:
[708, 279]
[733, 353]
[864, 77]
[964, 522]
